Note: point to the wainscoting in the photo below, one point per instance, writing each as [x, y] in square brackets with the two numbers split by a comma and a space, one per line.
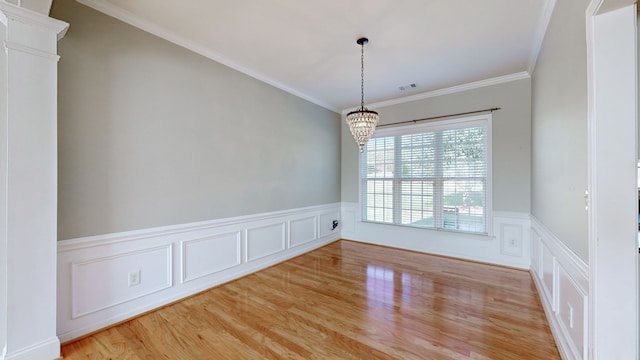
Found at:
[562, 280]
[105, 279]
[507, 244]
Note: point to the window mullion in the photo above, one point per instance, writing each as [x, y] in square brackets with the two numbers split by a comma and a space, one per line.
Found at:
[438, 184]
[363, 185]
[397, 183]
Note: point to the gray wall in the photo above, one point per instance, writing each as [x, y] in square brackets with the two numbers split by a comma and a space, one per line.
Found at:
[559, 128]
[151, 134]
[511, 138]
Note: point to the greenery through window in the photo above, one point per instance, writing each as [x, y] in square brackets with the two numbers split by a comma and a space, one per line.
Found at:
[431, 176]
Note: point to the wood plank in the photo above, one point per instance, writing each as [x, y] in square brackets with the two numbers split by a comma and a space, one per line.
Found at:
[346, 300]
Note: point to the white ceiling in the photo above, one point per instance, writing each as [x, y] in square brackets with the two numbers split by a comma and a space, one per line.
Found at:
[309, 48]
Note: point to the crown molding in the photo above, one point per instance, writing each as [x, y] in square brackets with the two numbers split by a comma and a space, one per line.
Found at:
[449, 90]
[541, 30]
[152, 28]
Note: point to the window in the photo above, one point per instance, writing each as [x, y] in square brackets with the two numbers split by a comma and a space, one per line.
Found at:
[433, 175]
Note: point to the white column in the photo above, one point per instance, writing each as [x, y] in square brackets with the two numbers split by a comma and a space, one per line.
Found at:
[28, 184]
[613, 253]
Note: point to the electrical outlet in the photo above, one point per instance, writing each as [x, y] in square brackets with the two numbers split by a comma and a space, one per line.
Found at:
[134, 278]
[334, 224]
[511, 242]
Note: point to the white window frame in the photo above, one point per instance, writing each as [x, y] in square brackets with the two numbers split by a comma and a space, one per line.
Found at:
[403, 129]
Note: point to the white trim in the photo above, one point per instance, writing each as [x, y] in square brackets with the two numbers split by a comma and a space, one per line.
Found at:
[113, 238]
[75, 265]
[489, 212]
[27, 278]
[41, 350]
[184, 275]
[293, 224]
[157, 287]
[152, 28]
[513, 215]
[613, 301]
[579, 270]
[449, 90]
[592, 212]
[541, 30]
[566, 348]
[564, 263]
[9, 45]
[280, 240]
[30, 17]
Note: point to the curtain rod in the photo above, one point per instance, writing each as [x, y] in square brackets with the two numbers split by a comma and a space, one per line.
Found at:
[441, 117]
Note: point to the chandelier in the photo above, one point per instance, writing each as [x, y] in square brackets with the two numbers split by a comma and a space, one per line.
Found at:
[362, 122]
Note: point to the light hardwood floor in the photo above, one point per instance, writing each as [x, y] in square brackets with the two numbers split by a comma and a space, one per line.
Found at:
[344, 301]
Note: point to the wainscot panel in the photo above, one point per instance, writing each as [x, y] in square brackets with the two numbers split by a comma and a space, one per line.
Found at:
[536, 256]
[208, 255]
[265, 240]
[508, 246]
[562, 280]
[348, 219]
[89, 296]
[547, 275]
[301, 231]
[109, 278]
[326, 221]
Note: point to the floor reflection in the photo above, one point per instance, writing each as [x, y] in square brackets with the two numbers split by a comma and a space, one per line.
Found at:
[381, 287]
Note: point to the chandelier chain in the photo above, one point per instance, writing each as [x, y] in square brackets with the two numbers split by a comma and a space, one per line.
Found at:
[362, 76]
[362, 122]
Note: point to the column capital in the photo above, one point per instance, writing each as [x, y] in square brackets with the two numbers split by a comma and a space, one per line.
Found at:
[10, 14]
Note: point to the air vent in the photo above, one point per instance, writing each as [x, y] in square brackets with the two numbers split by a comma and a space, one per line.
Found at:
[407, 87]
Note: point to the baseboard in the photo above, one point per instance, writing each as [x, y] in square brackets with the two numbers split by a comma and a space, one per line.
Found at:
[562, 281]
[508, 245]
[103, 280]
[49, 349]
